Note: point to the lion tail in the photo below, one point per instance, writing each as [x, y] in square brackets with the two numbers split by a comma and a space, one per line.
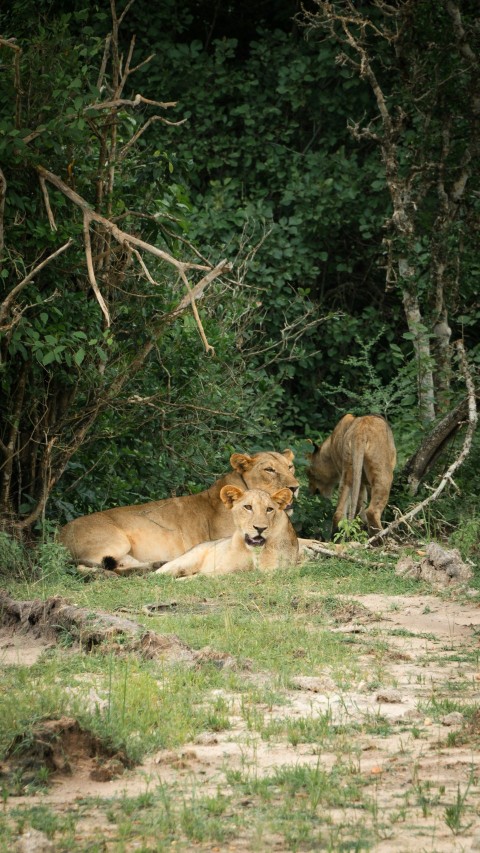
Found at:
[357, 464]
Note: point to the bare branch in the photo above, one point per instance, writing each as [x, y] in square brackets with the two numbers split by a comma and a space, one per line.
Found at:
[125, 102]
[129, 239]
[127, 7]
[447, 477]
[144, 266]
[110, 227]
[5, 306]
[91, 271]
[142, 130]
[196, 292]
[103, 66]
[47, 203]
[208, 347]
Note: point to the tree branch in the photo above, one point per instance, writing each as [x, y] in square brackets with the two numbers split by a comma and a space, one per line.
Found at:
[91, 271]
[142, 130]
[123, 237]
[46, 200]
[447, 477]
[125, 102]
[5, 306]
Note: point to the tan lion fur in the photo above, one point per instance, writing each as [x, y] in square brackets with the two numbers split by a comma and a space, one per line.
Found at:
[264, 537]
[359, 455]
[163, 530]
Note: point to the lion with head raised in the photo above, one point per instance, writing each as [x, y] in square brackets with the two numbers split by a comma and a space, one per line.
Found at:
[360, 457]
[162, 530]
[263, 538]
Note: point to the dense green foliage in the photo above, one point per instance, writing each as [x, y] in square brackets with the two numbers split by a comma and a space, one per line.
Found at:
[264, 171]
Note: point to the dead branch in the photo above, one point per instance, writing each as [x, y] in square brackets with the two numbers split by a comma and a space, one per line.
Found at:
[111, 228]
[46, 200]
[208, 347]
[432, 446]
[123, 151]
[124, 238]
[5, 306]
[448, 476]
[310, 549]
[144, 267]
[127, 7]
[103, 65]
[127, 102]
[91, 270]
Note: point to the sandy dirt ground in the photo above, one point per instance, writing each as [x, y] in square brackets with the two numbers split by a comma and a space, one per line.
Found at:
[419, 768]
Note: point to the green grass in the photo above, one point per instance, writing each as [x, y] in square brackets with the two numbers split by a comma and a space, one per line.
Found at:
[267, 622]
[276, 627]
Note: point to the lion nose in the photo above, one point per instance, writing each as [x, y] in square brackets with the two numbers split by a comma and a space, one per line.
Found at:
[294, 490]
[259, 529]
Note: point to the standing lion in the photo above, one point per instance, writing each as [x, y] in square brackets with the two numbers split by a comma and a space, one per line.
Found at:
[359, 455]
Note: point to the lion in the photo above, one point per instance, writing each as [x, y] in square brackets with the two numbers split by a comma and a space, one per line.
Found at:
[264, 537]
[360, 455]
[162, 530]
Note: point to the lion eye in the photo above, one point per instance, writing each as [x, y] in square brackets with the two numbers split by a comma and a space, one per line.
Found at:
[270, 470]
[247, 506]
[269, 508]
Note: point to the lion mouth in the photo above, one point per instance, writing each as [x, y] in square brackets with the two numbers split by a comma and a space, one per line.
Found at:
[255, 541]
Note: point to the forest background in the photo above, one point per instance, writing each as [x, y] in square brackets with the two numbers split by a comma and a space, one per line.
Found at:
[328, 153]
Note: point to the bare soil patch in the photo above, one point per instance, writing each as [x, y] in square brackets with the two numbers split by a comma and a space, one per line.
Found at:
[419, 648]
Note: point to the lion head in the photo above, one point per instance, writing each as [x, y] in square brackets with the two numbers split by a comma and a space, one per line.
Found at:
[257, 515]
[267, 471]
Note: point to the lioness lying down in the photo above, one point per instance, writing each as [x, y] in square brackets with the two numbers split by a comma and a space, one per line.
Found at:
[264, 537]
[360, 455]
[162, 530]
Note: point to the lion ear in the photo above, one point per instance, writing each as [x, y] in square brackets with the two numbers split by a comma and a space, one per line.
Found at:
[229, 495]
[289, 454]
[241, 462]
[282, 498]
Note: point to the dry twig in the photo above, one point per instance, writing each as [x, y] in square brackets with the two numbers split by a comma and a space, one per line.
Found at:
[448, 476]
[5, 306]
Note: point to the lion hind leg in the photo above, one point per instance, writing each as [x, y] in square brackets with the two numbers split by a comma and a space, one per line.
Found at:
[125, 562]
[94, 539]
[378, 502]
[360, 508]
[342, 505]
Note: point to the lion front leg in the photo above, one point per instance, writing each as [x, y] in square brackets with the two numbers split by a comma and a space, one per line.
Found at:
[181, 567]
[193, 562]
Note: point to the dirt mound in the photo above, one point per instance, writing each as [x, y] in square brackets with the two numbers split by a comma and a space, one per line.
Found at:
[55, 748]
[52, 617]
[438, 567]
